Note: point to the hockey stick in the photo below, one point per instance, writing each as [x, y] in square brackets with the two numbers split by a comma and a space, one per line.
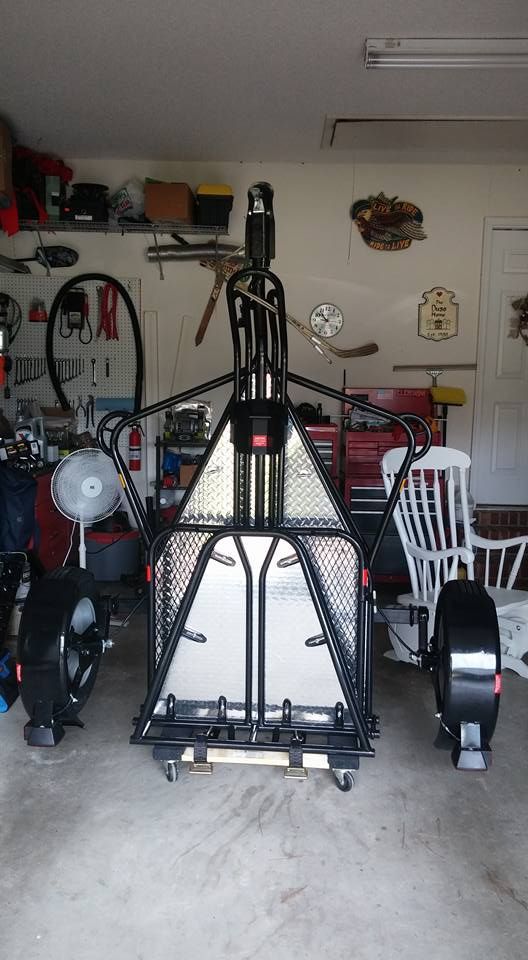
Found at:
[228, 268]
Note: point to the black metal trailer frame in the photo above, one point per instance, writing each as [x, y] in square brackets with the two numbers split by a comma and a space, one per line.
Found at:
[262, 418]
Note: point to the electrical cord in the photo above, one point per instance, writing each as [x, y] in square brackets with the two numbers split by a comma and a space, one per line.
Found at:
[66, 336]
[9, 305]
[90, 338]
[71, 544]
[447, 730]
[412, 652]
[414, 656]
[95, 553]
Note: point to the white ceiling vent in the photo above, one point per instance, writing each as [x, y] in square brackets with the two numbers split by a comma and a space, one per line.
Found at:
[428, 140]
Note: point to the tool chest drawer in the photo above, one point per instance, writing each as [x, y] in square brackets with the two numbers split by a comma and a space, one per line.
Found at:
[325, 438]
[53, 529]
[368, 437]
[367, 505]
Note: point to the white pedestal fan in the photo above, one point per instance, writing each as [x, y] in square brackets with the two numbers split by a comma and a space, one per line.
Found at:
[85, 488]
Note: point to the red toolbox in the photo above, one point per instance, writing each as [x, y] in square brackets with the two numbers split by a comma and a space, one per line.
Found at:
[363, 449]
[369, 437]
[325, 437]
[54, 529]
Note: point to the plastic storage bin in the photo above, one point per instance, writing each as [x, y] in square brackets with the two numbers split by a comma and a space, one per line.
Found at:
[109, 556]
[214, 202]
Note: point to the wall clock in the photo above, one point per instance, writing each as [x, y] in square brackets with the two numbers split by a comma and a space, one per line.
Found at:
[326, 320]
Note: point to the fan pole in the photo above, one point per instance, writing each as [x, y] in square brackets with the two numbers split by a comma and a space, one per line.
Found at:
[82, 546]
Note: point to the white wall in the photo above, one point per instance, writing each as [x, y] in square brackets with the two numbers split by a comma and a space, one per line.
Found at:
[320, 256]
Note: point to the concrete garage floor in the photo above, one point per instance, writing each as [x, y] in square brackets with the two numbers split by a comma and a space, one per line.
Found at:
[102, 858]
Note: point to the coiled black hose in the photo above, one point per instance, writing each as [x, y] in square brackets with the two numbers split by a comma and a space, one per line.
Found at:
[74, 282]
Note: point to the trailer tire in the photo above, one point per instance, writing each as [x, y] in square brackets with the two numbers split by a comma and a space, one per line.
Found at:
[54, 667]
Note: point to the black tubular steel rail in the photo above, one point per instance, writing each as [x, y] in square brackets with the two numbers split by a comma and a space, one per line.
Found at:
[248, 696]
[360, 720]
[135, 499]
[261, 650]
[328, 749]
[129, 486]
[402, 421]
[266, 352]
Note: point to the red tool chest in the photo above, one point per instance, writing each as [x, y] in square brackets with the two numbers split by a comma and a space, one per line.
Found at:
[54, 530]
[369, 438]
[363, 449]
[325, 437]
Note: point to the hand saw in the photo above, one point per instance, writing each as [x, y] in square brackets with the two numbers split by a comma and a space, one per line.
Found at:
[211, 304]
[228, 267]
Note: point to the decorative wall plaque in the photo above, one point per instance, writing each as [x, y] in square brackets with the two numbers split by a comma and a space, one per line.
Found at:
[388, 224]
[438, 314]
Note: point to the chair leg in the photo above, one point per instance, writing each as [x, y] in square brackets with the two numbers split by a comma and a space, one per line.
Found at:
[514, 663]
[514, 636]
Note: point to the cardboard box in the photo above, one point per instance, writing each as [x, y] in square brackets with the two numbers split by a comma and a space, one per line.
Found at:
[169, 201]
[187, 471]
[6, 183]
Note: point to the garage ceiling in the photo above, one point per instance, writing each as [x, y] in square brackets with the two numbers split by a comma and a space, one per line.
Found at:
[238, 79]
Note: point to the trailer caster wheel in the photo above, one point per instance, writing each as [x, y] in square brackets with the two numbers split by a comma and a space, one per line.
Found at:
[344, 780]
[171, 771]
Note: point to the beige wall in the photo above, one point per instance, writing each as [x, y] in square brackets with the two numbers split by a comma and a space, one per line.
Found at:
[320, 256]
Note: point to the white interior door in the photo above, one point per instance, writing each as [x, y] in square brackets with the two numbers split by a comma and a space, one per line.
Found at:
[500, 444]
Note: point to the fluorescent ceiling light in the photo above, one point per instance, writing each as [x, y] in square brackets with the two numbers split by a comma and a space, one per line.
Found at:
[455, 52]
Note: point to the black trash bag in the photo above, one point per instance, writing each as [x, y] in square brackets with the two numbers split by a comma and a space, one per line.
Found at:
[17, 509]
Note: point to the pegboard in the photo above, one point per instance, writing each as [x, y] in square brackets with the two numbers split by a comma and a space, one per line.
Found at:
[31, 342]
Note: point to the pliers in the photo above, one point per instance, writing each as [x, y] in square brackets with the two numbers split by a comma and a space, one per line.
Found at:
[80, 408]
[90, 410]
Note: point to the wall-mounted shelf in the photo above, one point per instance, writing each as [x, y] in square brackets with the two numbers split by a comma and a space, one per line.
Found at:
[160, 446]
[183, 443]
[113, 226]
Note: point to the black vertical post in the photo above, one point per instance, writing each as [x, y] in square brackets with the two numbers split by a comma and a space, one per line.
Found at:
[260, 250]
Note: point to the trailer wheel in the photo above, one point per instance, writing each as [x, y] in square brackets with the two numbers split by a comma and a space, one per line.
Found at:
[60, 644]
[467, 676]
[344, 780]
[171, 771]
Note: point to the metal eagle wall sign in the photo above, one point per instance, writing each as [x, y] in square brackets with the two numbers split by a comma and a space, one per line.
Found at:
[388, 223]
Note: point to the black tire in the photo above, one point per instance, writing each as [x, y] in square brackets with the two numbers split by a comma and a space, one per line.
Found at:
[346, 783]
[171, 771]
[62, 604]
[466, 638]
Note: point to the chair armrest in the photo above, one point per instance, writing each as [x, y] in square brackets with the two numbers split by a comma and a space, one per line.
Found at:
[488, 544]
[420, 554]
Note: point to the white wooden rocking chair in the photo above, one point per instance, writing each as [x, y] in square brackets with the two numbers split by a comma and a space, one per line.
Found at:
[433, 522]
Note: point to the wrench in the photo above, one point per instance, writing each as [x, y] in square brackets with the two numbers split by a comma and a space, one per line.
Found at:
[93, 362]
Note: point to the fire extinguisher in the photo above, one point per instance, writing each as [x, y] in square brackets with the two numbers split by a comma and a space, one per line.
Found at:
[134, 447]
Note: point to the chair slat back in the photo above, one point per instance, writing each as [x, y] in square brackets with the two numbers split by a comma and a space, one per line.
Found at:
[515, 566]
[425, 514]
[510, 559]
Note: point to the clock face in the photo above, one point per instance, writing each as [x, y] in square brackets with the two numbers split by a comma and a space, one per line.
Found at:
[326, 320]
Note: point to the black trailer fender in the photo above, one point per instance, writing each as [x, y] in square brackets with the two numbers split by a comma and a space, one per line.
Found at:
[60, 643]
[467, 677]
